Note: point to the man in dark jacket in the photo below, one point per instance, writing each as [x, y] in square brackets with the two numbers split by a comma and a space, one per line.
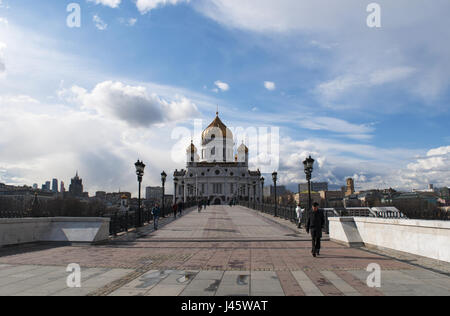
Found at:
[180, 208]
[156, 212]
[315, 224]
[175, 209]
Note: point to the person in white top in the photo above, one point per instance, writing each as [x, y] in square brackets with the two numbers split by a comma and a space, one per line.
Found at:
[299, 212]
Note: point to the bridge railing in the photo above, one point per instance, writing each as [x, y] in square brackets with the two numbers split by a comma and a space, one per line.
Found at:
[123, 221]
[287, 212]
[13, 214]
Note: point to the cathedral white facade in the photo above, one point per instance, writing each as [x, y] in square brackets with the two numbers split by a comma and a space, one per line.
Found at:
[217, 173]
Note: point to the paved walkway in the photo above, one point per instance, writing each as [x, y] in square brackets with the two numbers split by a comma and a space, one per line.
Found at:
[222, 251]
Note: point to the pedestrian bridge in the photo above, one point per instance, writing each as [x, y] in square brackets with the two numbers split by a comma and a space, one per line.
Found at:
[221, 251]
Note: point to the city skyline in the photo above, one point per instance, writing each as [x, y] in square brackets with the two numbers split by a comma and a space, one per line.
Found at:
[371, 104]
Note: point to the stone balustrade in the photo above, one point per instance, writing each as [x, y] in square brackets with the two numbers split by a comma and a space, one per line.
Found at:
[53, 229]
[429, 239]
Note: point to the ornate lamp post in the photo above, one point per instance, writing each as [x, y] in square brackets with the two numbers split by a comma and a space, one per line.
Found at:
[254, 195]
[248, 192]
[175, 182]
[274, 178]
[262, 192]
[183, 188]
[140, 166]
[308, 166]
[241, 191]
[163, 180]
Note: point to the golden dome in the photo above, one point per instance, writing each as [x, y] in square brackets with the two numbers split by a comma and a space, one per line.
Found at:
[216, 130]
[191, 149]
[243, 148]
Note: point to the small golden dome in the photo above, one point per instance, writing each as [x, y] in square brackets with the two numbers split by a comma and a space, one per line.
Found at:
[191, 149]
[243, 148]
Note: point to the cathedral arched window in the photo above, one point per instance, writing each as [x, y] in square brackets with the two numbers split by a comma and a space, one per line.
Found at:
[213, 151]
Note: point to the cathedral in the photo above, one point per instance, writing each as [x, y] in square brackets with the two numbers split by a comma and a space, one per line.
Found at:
[217, 173]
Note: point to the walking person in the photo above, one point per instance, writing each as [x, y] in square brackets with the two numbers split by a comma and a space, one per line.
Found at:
[199, 206]
[175, 210]
[204, 204]
[315, 224]
[299, 212]
[180, 208]
[156, 212]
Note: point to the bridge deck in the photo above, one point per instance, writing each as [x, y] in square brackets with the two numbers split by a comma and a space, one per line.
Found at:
[221, 251]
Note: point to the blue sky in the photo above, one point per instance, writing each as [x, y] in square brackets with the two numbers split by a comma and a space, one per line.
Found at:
[367, 103]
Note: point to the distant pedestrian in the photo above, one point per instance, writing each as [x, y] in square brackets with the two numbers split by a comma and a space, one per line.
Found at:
[315, 224]
[180, 208]
[204, 204]
[209, 202]
[299, 212]
[175, 210]
[199, 206]
[156, 212]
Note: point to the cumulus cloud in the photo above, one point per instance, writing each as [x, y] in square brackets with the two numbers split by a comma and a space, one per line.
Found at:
[108, 3]
[133, 104]
[436, 160]
[222, 85]
[55, 143]
[434, 169]
[145, 6]
[269, 85]
[99, 23]
[336, 161]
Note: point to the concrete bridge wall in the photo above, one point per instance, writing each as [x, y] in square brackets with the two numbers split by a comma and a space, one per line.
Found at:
[424, 238]
[54, 229]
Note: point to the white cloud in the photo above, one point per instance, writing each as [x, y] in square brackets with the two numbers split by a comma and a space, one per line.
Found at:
[133, 104]
[2, 58]
[222, 85]
[390, 75]
[361, 131]
[108, 3]
[128, 22]
[344, 84]
[132, 21]
[337, 161]
[99, 23]
[56, 140]
[434, 168]
[437, 159]
[17, 100]
[145, 6]
[269, 85]
[3, 20]
[334, 88]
